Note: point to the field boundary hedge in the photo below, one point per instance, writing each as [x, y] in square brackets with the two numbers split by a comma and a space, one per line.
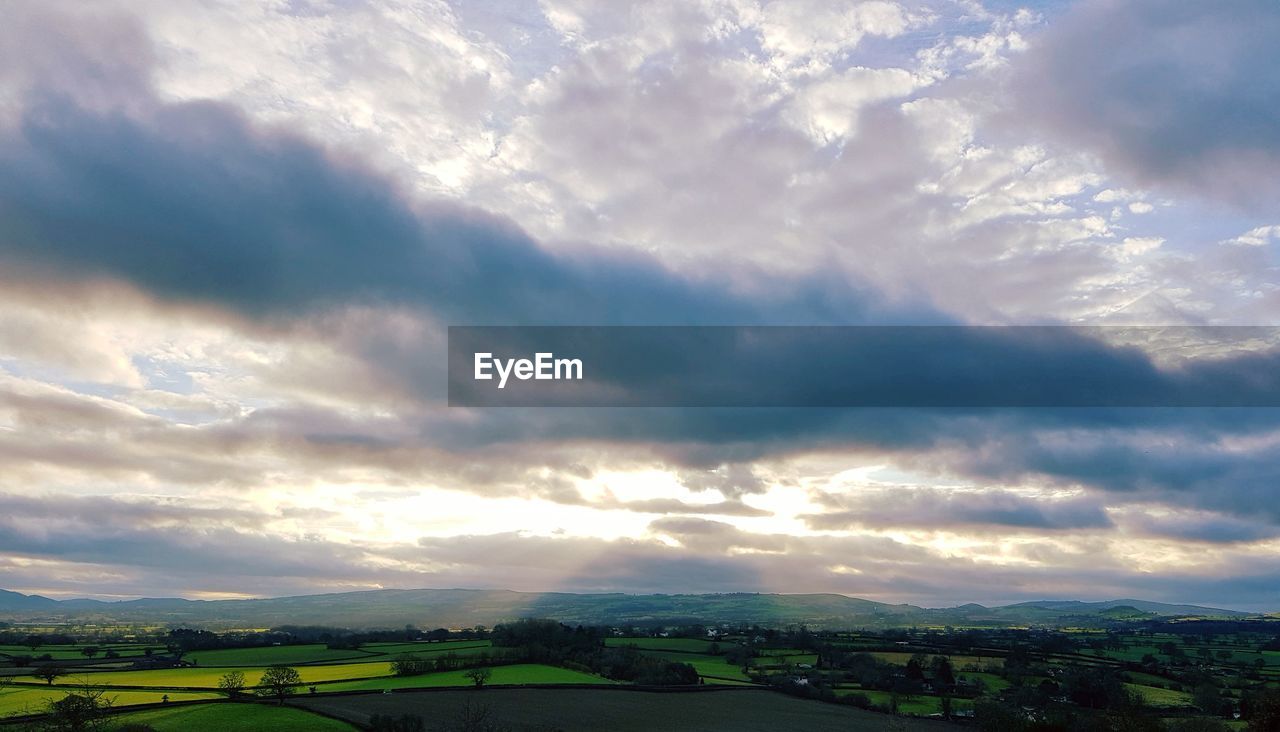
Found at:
[676, 689]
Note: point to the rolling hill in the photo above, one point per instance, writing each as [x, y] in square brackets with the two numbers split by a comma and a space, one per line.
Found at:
[463, 608]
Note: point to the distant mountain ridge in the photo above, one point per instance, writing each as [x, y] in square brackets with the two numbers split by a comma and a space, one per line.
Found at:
[18, 601]
[463, 608]
[1146, 606]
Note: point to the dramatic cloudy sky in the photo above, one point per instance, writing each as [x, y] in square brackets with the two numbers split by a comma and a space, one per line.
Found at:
[232, 234]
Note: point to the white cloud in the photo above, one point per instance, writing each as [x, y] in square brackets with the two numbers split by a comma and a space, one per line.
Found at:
[809, 35]
[1256, 237]
[828, 110]
[400, 80]
[1136, 246]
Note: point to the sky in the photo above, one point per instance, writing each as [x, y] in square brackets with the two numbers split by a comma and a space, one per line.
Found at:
[232, 236]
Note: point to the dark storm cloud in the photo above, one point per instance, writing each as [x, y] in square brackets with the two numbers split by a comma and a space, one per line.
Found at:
[104, 531]
[191, 203]
[933, 509]
[1182, 94]
[1220, 460]
[1183, 457]
[107, 510]
[1201, 528]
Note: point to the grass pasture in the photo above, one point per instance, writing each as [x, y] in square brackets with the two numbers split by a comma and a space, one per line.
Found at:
[919, 705]
[705, 665]
[794, 658]
[991, 683]
[522, 673]
[76, 652]
[234, 718]
[959, 663]
[265, 656]
[425, 647]
[206, 677]
[684, 645]
[31, 700]
[1161, 697]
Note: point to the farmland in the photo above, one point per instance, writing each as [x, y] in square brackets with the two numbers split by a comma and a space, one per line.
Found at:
[234, 718]
[293, 655]
[184, 678]
[710, 668]
[318, 653]
[64, 652]
[514, 675]
[23, 700]
[680, 645]
[575, 710]
[206, 677]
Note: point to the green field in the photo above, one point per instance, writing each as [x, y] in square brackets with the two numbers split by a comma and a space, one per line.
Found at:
[423, 647]
[522, 673]
[1271, 658]
[25, 700]
[203, 677]
[1138, 677]
[318, 653]
[918, 705]
[688, 645]
[705, 665]
[992, 684]
[1131, 653]
[901, 658]
[794, 658]
[234, 718]
[314, 653]
[1161, 697]
[73, 653]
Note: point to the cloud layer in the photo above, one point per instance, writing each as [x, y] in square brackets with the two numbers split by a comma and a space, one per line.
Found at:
[226, 278]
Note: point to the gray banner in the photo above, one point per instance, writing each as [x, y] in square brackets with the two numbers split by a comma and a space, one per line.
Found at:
[864, 366]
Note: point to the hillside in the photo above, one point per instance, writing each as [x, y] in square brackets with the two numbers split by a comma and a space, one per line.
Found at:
[462, 608]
